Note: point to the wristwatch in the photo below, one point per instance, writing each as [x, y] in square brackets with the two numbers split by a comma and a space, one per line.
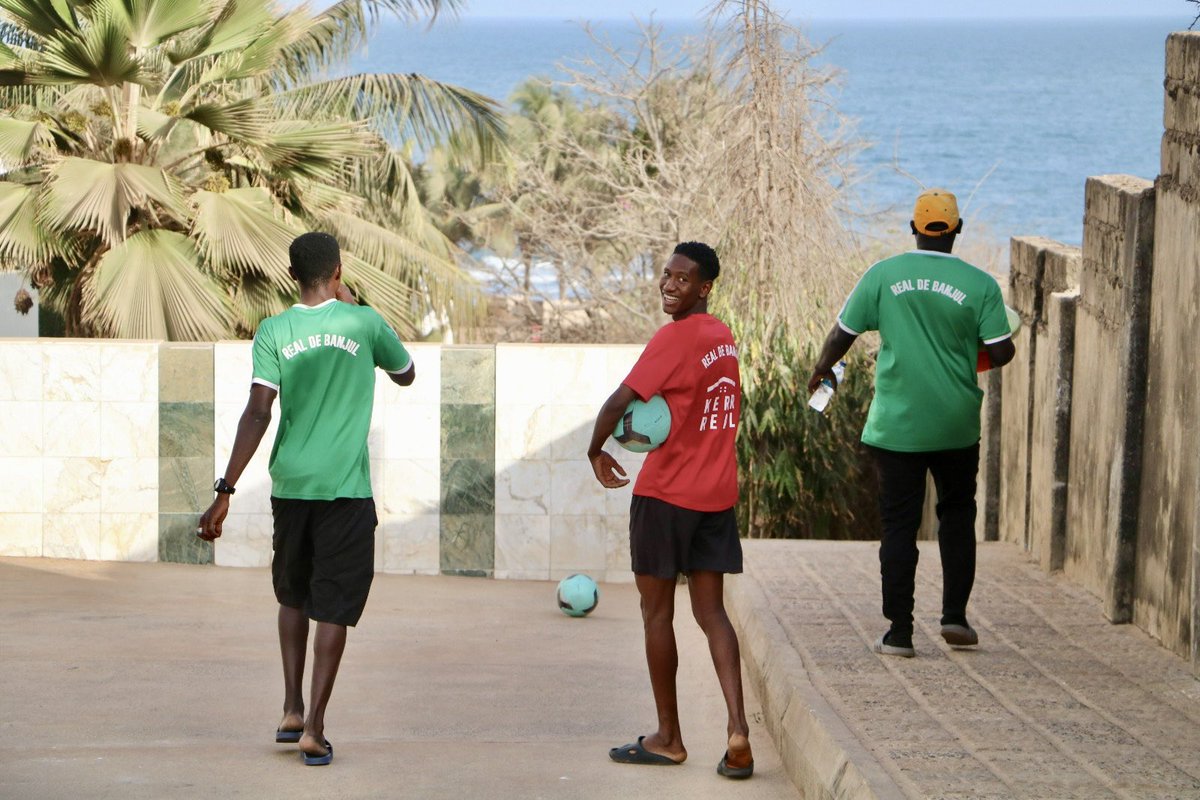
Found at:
[221, 487]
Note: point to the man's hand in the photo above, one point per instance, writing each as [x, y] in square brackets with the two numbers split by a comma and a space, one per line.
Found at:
[344, 294]
[610, 474]
[824, 375]
[212, 520]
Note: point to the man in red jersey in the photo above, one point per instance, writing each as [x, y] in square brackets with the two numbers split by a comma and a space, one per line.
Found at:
[681, 519]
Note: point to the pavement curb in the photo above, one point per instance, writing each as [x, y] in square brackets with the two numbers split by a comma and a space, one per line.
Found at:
[819, 752]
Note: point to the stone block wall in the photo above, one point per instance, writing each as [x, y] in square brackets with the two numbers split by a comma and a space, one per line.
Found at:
[1039, 268]
[1167, 571]
[1110, 388]
[1131, 528]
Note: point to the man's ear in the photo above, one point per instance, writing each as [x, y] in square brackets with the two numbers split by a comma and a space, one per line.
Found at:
[705, 288]
[295, 277]
[337, 272]
[960, 224]
[913, 226]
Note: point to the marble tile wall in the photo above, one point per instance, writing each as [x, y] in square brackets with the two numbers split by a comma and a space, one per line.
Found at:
[79, 449]
[404, 446]
[185, 447]
[552, 517]
[246, 538]
[468, 465]
[406, 466]
[479, 468]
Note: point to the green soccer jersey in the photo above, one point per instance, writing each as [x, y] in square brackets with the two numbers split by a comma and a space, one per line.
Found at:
[932, 310]
[322, 359]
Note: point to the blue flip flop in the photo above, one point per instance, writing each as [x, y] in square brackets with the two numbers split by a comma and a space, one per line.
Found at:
[636, 753]
[319, 761]
[288, 737]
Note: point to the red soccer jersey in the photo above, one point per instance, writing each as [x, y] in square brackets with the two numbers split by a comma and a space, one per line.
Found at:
[693, 364]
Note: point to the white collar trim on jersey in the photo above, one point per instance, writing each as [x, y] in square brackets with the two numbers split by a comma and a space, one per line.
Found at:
[318, 305]
[933, 253]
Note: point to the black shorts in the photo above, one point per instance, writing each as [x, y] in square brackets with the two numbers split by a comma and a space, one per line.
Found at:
[324, 556]
[665, 540]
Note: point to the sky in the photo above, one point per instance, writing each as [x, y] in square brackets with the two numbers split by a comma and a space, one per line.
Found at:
[803, 10]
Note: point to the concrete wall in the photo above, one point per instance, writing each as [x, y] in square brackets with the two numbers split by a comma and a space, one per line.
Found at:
[1116, 396]
[1169, 520]
[1039, 268]
[110, 450]
[1110, 388]
[1050, 432]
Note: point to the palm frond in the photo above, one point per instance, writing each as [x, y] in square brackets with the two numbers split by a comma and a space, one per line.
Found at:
[93, 195]
[100, 55]
[151, 286]
[149, 22]
[406, 107]
[242, 120]
[19, 139]
[237, 25]
[23, 243]
[239, 231]
[154, 124]
[386, 294]
[44, 18]
[257, 298]
[261, 55]
[315, 150]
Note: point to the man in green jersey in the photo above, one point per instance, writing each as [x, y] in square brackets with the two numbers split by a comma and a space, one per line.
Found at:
[932, 311]
[319, 357]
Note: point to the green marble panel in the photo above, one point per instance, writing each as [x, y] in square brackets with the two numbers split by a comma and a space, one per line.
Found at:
[177, 540]
[184, 484]
[185, 373]
[469, 375]
[468, 486]
[469, 431]
[186, 430]
[468, 544]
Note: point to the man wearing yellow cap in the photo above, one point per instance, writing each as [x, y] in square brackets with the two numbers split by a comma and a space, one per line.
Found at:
[932, 311]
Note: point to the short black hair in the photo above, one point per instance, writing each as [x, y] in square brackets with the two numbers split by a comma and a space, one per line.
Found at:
[314, 257]
[704, 256]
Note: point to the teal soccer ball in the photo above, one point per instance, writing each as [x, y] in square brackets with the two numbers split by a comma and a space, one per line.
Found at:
[577, 595]
[644, 426]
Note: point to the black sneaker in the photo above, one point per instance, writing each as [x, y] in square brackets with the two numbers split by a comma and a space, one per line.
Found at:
[895, 644]
[959, 635]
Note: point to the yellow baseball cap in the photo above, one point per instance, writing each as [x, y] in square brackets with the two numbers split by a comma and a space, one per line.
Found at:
[935, 213]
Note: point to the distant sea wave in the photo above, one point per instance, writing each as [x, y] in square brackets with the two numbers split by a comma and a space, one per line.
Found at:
[1011, 115]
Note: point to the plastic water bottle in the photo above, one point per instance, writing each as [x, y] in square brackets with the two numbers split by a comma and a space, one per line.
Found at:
[824, 393]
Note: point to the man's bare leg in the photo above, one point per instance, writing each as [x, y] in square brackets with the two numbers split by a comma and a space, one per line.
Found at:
[662, 657]
[328, 646]
[708, 606]
[293, 645]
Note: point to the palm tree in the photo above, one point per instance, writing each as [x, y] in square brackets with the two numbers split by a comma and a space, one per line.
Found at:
[161, 155]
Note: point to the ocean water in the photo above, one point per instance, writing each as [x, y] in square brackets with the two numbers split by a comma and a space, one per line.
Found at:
[1012, 116]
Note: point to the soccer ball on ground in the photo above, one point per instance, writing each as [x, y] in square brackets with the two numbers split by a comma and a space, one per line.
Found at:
[577, 595]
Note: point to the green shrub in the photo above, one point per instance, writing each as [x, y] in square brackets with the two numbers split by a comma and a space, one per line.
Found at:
[803, 475]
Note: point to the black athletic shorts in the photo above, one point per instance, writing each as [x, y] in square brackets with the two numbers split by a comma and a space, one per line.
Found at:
[665, 540]
[324, 556]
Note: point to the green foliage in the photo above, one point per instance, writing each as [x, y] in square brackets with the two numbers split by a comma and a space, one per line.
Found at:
[160, 155]
[803, 475]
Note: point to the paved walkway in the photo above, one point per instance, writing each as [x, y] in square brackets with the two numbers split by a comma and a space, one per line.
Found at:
[1054, 703]
[159, 681]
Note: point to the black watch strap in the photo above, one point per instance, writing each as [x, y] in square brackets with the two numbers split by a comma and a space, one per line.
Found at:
[221, 487]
